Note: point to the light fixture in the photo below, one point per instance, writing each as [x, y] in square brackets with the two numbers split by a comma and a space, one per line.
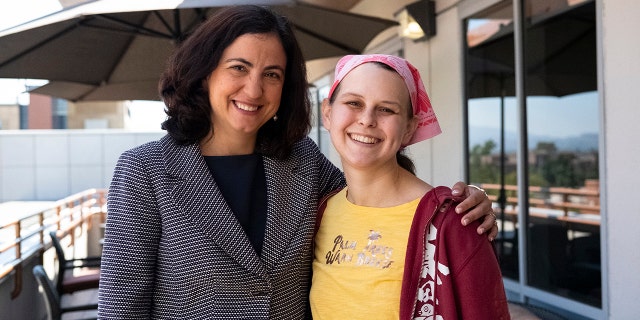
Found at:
[417, 20]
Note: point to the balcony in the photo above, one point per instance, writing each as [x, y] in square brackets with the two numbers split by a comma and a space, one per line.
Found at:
[25, 242]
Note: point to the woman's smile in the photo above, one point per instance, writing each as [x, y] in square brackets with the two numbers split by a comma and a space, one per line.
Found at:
[363, 138]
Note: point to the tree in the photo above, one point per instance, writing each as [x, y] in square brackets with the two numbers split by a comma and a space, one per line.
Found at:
[479, 170]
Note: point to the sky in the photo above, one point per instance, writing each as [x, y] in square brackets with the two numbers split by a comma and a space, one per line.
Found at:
[567, 116]
[145, 115]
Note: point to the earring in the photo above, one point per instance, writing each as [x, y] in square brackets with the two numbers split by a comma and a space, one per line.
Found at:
[275, 117]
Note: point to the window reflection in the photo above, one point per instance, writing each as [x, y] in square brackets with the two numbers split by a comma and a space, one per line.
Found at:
[563, 234]
[562, 126]
[492, 122]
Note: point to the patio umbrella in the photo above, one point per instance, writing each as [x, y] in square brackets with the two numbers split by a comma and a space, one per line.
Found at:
[117, 49]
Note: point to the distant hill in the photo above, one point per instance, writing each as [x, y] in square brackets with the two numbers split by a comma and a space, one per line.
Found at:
[582, 143]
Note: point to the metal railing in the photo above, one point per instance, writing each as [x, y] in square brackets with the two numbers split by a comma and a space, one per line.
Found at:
[570, 203]
[28, 237]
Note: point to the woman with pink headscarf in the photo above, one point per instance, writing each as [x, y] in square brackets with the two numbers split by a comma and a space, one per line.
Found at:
[389, 245]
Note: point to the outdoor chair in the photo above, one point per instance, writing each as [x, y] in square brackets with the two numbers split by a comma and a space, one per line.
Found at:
[52, 298]
[66, 282]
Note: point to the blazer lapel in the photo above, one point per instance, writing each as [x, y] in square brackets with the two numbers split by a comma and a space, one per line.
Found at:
[286, 208]
[196, 193]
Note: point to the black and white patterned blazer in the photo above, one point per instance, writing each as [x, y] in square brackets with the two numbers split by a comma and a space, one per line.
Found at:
[174, 250]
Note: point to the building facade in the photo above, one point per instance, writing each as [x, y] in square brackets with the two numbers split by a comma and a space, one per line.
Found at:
[536, 101]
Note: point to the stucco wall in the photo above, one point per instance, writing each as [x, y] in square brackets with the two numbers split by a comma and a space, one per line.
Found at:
[53, 164]
[621, 80]
[440, 159]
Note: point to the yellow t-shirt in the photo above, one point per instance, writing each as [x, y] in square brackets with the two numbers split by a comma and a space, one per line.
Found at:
[359, 260]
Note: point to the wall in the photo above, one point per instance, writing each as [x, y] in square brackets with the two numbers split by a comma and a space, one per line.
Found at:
[29, 304]
[439, 63]
[53, 164]
[621, 80]
[9, 117]
[40, 113]
[81, 114]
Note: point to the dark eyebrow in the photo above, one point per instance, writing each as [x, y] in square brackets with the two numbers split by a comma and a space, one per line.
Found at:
[241, 60]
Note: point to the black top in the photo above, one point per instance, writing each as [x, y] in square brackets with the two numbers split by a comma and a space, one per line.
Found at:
[242, 181]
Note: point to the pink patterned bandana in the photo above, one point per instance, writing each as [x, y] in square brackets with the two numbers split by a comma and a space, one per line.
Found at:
[428, 126]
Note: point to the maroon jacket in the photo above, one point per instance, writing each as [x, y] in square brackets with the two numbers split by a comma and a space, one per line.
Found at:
[453, 274]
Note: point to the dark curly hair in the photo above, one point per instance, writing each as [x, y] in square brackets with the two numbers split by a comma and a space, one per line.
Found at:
[187, 100]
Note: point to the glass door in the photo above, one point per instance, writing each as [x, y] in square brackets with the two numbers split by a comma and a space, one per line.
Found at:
[553, 136]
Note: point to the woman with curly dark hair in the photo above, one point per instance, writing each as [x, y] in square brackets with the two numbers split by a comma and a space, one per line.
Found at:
[215, 220]
[188, 100]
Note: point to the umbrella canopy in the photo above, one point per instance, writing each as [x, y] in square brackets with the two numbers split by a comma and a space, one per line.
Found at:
[117, 49]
